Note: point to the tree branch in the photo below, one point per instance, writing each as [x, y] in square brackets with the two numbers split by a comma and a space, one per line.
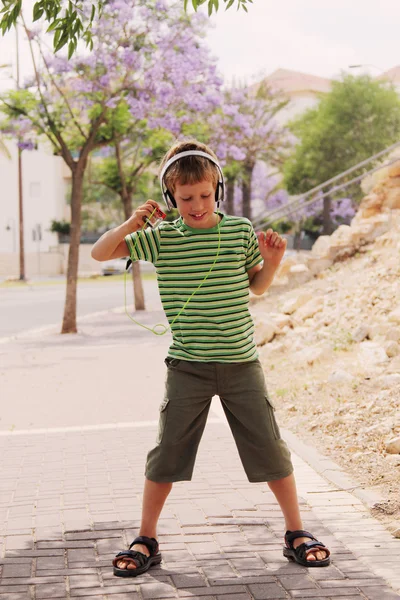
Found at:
[64, 148]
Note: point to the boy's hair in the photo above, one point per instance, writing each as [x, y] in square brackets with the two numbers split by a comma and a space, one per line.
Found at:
[190, 169]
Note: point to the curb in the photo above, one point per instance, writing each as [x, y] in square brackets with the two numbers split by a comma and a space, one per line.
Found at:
[330, 470]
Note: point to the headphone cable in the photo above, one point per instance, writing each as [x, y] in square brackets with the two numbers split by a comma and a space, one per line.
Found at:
[164, 329]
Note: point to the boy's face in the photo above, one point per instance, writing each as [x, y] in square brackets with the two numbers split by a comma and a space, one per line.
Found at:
[196, 204]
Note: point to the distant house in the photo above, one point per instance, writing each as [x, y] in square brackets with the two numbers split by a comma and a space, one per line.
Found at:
[392, 76]
[302, 89]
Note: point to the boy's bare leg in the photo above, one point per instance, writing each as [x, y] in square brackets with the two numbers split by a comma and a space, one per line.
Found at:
[154, 497]
[286, 494]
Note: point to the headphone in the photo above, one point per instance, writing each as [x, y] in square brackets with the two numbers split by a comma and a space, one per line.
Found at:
[166, 194]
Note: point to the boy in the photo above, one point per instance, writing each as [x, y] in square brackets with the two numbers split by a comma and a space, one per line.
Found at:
[206, 262]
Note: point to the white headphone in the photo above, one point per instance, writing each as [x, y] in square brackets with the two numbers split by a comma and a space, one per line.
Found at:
[168, 197]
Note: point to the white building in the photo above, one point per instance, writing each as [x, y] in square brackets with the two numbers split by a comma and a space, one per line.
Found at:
[302, 90]
[44, 199]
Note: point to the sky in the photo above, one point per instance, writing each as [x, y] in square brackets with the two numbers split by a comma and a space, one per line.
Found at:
[312, 36]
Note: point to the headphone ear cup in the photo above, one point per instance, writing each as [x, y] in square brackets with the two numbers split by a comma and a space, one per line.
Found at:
[217, 192]
[171, 198]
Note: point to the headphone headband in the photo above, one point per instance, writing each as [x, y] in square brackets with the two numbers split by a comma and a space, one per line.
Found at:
[167, 195]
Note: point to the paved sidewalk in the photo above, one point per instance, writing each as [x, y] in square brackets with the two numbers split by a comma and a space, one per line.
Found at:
[70, 499]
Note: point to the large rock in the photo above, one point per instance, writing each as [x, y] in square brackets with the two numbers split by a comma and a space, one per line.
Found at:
[317, 264]
[265, 330]
[341, 376]
[394, 316]
[299, 274]
[391, 348]
[372, 354]
[285, 266]
[320, 248]
[294, 303]
[394, 170]
[309, 309]
[393, 446]
[312, 354]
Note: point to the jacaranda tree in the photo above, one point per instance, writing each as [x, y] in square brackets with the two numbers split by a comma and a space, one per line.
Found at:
[246, 130]
[73, 20]
[150, 60]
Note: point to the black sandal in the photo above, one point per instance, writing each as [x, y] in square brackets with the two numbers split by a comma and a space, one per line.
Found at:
[142, 561]
[299, 554]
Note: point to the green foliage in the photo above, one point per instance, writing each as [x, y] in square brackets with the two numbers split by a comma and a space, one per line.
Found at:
[213, 5]
[357, 119]
[62, 227]
[69, 22]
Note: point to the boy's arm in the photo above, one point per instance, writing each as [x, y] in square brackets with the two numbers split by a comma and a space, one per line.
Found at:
[272, 248]
[260, 278]
[112, 243]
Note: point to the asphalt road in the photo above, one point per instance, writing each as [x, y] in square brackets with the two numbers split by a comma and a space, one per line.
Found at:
[36, 306]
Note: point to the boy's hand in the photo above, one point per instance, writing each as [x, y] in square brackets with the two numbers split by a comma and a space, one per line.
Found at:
[272, 247]
[143, 212]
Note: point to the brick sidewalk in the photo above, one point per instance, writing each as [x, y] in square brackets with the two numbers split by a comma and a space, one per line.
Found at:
[71, 500]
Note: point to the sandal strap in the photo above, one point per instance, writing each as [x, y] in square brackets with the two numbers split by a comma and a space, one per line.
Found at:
[150, 543]
[131, 555]
[303, 549]
[290, 536]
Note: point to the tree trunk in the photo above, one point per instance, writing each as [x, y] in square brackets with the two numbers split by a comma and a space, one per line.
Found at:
[230, 191]
[69, 319]
[327, 221]
[138, 291]
[297, 239]
[246, 190]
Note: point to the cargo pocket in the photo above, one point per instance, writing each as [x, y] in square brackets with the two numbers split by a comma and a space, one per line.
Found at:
[276, 434]
[162, 420]
[172, 362]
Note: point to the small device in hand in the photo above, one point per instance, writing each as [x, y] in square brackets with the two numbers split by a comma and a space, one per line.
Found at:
[160, 216]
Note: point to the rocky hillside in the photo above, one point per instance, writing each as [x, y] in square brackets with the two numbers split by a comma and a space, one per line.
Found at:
[330, 347]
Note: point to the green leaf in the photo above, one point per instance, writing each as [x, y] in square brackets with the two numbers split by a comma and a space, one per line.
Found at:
[62, 41]
[53, 25]
[71, 48]
[37, 11]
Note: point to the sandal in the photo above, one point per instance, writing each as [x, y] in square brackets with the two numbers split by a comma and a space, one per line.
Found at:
[299, 554]
[142, 561]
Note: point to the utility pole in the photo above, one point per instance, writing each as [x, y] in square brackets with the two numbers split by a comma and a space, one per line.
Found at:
[20, 191]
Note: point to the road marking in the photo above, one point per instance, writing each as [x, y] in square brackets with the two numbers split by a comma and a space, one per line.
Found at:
[82, 428]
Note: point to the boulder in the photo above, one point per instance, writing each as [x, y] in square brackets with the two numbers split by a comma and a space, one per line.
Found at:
[309, 309]
[393, 446]
[294, 303]
[299, 274]
[285, 266]
[265, 330]
[394, 316]
[391, 348]
[372, 354]
[394, 170]
[312, 354]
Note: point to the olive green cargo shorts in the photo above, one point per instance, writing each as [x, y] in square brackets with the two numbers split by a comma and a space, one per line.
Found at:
[189, 389]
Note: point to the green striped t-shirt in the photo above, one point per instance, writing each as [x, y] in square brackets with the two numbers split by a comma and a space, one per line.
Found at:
[216, 325]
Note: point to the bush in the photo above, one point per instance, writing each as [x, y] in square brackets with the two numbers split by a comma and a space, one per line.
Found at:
[62, 227]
